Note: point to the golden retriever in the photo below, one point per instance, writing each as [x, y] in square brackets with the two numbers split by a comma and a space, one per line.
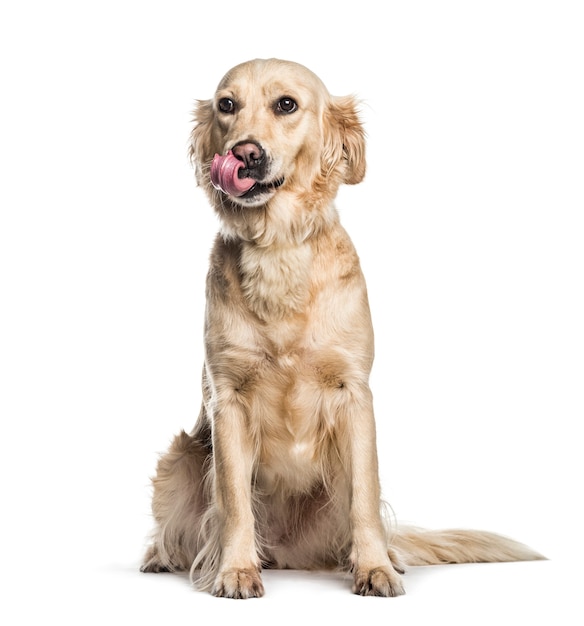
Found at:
[280, 469]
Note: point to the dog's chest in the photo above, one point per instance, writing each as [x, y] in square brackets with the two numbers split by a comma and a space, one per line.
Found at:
[296, 407]
[275, 280]
[302, 354]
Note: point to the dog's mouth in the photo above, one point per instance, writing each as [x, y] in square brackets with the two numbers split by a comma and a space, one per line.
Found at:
[230, 175]
[258, 188]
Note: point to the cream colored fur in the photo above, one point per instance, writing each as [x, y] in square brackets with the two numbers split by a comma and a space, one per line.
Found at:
[280, 469]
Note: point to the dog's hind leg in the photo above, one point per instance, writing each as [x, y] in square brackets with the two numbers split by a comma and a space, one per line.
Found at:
[177, 505]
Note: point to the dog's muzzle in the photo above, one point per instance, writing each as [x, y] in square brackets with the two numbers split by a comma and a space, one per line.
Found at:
[239, 173]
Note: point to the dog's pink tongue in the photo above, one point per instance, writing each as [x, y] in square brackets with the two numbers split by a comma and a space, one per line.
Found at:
[224, 175]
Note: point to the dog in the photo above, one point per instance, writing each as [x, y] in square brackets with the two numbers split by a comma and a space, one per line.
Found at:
[281, 468]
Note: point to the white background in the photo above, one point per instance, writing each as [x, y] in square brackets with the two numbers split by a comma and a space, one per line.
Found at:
[469, 226]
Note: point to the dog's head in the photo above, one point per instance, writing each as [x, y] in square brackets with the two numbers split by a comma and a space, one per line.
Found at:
[279, 132]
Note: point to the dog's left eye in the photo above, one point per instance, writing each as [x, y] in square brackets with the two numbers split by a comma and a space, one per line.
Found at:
[286, 106]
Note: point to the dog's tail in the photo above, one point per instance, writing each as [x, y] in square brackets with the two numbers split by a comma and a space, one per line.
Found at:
[414, 546]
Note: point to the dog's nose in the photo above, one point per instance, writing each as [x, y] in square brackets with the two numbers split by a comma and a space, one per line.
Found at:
[250, 152]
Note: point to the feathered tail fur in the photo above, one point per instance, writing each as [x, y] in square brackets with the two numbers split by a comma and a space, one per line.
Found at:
[414, 546]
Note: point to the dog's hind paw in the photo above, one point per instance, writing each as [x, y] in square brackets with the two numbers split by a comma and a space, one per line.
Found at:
[238, 583]
[154, 568]
[379, 581]
[154, 564]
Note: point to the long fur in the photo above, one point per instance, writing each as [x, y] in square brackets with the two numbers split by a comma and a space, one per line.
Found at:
[280, 469]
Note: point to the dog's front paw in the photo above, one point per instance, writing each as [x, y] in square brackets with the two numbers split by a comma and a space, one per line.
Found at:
[379, 581]
[238, 583]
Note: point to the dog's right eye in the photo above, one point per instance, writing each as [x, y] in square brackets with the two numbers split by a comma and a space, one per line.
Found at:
[226, 105]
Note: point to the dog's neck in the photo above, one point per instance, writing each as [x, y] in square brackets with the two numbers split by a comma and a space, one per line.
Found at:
[275, 279]
[279, 223]
[277, 253]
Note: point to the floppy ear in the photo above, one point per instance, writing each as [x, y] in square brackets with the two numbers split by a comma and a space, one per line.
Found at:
[200, 148]
[344, 140]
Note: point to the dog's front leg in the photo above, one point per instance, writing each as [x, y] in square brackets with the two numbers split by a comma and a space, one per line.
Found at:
[374, 574]
[239, 569]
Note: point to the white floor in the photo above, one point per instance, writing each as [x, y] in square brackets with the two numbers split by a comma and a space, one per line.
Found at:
[502, 594]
